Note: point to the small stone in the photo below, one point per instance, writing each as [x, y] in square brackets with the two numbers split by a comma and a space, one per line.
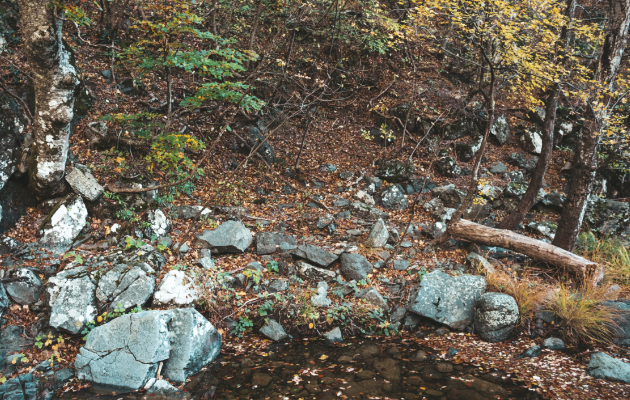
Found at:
[553, 343]
[274, 331]
[260, 379]
[445, 367]
[498, 168]
[334, 335]
[531, 352]
[401, 265]
[84, 184]
[378, 235]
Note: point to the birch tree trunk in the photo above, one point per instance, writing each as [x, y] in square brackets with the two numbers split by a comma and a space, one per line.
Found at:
[585, 158]
[55, 80]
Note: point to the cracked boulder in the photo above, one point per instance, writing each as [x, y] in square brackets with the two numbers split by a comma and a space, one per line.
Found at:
[125, 354]
[229, 237]
[126, 287]
[71, 299]
[447, 300]
[63, 224]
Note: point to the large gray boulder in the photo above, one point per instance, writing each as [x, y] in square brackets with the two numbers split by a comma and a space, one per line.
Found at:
[26, 289]
[229, 237]
[126, 287]
[124, 354]
[378, 235]
[446, 299]
[83, 183]
[314, 255]
[496, 316]
[195, 343]
[355, 266]
[603, 366]
[71, 299]
[266, 242]
[500, 130]
[64, 224]
[393, 198]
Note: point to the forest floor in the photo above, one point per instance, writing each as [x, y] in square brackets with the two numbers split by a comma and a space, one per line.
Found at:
[335, 137]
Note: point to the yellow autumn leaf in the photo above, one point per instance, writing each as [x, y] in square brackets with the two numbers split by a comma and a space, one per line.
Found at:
[99, 319]
[47, 342]
[55, 347]
[119, 160]
[310, 326]
[323, 357]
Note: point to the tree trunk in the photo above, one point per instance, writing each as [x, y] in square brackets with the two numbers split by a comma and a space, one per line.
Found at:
[585, 159]
[535, 249]
[55, 80]
[526, 203]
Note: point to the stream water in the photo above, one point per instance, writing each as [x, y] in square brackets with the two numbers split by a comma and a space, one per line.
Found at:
[355, 369]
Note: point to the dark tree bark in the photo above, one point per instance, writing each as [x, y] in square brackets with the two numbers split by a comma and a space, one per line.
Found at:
[529, 198]
[54, 79]
[585, 158]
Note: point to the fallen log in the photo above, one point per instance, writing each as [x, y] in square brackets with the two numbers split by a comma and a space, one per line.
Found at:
[535, 249]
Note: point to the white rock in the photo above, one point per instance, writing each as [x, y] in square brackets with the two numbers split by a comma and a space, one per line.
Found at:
[364, 197]
[65, 225]
[177, 288]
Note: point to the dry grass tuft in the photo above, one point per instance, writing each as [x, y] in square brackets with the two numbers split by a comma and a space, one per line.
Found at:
[609, 252]
[583, 315]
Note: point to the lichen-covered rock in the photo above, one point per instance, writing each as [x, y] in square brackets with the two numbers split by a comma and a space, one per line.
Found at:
[372, 296]
[531, 141]
[229, 237]
[124, 354]
[393, 170]
[11, 126]
[71, 299]
[22, 387]
[452, 198]
[447, 300]
[448, 168]
[320, 298]
[177, 288]
[256, 139]
[4, 299]
[460, 128]
[496, 316]
[393, 198]
[308, 271]
[159, 224]
[367, 211]
[83, 183]
[188, 212]
[314, 254]
[606, 216]
[500, 130]
[64, 224]
[545, 228]
[467, 151]
[378, 235]
[27, 289]
[355, 266]
[522, 161]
